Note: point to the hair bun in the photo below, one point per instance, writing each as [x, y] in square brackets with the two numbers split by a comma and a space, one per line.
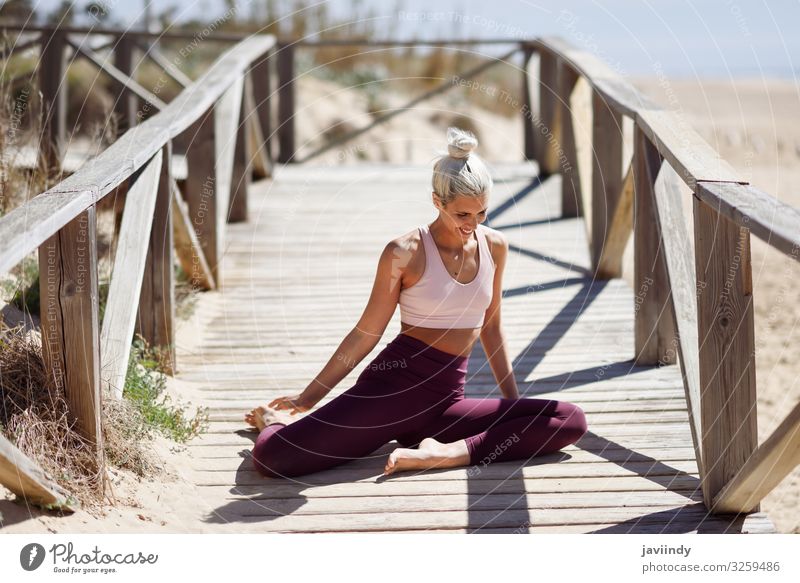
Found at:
[460, 142]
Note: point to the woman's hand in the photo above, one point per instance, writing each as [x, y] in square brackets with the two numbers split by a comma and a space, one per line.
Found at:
[295, 404]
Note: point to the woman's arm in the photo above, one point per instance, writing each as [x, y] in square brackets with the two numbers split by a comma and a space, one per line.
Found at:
[492, 337]
[360, 341]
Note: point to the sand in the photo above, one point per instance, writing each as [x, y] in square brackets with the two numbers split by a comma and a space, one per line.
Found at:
[752, 123]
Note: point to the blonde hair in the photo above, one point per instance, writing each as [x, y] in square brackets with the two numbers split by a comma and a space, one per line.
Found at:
[460, 172]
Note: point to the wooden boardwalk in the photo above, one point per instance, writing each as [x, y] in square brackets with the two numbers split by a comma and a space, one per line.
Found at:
[297, 276]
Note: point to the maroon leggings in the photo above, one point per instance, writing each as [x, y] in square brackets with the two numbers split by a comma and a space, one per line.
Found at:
[408, 392]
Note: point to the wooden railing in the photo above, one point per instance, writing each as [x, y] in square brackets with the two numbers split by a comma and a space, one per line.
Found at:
[691, 305]
[216, 122]
[696, 305]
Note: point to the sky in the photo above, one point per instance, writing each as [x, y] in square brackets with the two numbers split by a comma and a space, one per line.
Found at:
[677, 38]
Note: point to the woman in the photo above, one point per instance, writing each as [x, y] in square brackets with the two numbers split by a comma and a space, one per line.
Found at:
[447, 278]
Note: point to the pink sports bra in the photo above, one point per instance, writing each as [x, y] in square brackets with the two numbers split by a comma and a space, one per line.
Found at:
[439, 301]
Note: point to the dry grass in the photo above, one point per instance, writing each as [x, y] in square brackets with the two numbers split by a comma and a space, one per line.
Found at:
[35, 418]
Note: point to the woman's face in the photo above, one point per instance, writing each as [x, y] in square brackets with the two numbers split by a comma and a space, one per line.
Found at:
[463, 214]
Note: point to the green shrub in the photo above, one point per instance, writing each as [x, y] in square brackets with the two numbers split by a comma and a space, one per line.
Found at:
[144, 388]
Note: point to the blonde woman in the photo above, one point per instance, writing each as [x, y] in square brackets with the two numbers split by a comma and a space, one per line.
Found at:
[447, 278]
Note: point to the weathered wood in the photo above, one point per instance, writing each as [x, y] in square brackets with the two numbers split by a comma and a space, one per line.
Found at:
[616, 91]
[201, 190]
[126, 280]
[227, 120]
[769, 219]
[69, 312]
[654, 326]
[260, 92]
[606, 173]
[688, 153]
[571, 187]
[187, 245]
[549, 149]
[679, 259]
[286, 104]
[52, 69]
[764, 469]
[727, 346]
[129, 91]
[152, 52]
[126, 102]
[26, 479]
[609, 265]
[156, 317]
[528, 109]
[258, 141]
[241, 172]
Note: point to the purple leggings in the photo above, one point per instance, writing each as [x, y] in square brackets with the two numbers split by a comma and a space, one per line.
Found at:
[408, 392]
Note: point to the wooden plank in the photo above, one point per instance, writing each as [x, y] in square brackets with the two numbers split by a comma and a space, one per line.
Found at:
[227, 116]
[679, 259]
[26, 227]
[126, 281]
[616, 91]
[654, 333]
[689, 154]
[187, 246]
[258, 141]
[152, 52]
[69, 312]
[549, 150]
[201, 190]
[609, 264]
[607, 180]
[26, 479]
[632, 517]
[530, 110]
[156, 317]
[571, 184]
[769, 219]
[286, 104]
[260, 101]
[726, 334]
[54, 104]
[764, 469]
[242, 160]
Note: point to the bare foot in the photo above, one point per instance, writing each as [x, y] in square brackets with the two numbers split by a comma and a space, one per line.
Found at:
[430, 454]
[260, 417]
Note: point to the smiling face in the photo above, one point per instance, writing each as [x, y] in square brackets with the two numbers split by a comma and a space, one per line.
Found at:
[463, 213]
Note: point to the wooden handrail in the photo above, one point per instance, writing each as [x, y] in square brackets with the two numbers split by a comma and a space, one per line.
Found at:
[694, 306]
[88, 362]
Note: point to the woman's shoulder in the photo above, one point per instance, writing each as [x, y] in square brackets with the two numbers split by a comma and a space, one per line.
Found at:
[403, 248]
[497, 241]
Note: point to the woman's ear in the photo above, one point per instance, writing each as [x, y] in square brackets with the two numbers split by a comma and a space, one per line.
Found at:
[436, 201]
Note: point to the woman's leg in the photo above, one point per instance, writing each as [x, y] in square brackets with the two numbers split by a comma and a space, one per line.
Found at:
[505, 429]
[353, 425]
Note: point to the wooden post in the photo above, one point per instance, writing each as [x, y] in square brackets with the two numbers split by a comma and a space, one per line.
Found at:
[52, 73]
[262, 90]
[529, 130]
[654, 327]
[549, 126]
[70, 328]
[156, 318]
[571, 191]
[126, 103]
[727, 347]
[606, 172]
[242, 162]
[200, 190]
[286, 104]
